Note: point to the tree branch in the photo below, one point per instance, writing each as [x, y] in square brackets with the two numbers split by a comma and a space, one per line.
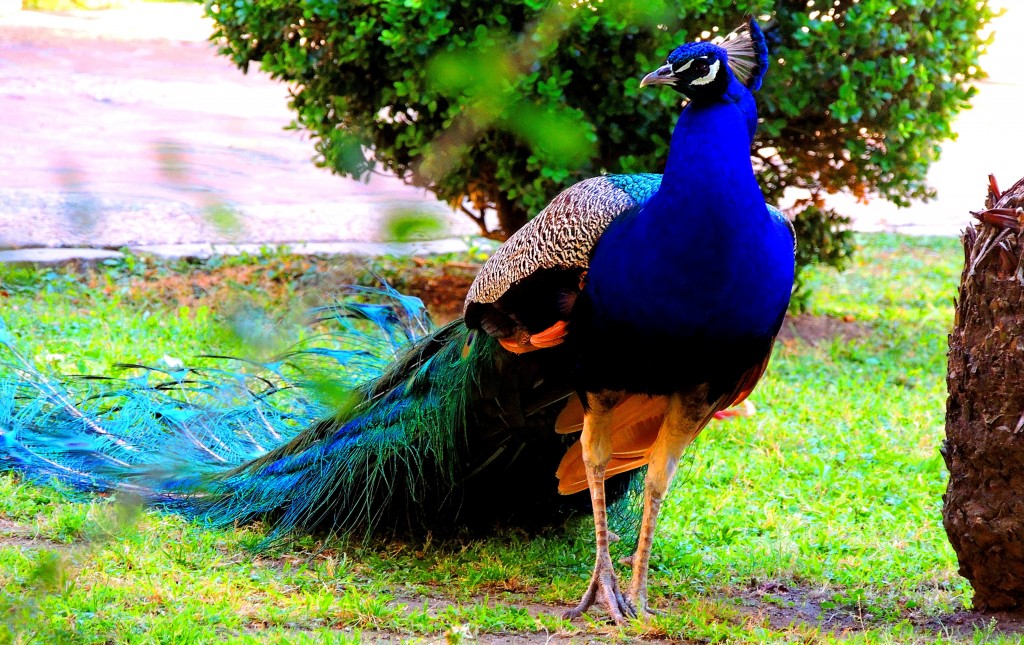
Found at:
[477, 219]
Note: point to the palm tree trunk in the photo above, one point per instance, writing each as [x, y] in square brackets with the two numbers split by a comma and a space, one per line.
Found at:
[983, 509]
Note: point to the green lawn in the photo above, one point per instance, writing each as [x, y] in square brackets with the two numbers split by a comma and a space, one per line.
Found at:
[816, 520]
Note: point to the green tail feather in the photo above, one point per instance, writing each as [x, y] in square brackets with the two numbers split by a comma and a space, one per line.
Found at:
[444, 431]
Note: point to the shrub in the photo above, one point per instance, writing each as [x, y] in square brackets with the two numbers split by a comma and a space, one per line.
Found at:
[496, 105]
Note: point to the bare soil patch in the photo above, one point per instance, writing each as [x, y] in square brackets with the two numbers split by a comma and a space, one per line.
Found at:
[817, 330]
[770, 603]
[965, 624]
[13, 534]
[783, 607]
[313, 280]
[441, 285]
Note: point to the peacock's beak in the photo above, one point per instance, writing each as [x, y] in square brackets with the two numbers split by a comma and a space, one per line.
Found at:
[664, 75]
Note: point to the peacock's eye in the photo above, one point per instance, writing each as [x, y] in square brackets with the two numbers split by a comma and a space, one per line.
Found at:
[700, 68]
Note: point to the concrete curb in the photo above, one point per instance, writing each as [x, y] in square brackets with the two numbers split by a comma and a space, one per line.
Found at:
[56, 256]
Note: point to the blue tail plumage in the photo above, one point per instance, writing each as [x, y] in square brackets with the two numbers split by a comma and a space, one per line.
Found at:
[395, 425]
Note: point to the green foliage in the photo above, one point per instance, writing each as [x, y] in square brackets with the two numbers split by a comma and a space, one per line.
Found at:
[822, 238]
[497, 105]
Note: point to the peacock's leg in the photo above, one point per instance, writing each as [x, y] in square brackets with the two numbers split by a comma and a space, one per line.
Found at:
[597, 450]
[683, 421]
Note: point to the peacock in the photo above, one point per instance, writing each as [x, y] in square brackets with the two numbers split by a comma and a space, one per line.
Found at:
[600, 338]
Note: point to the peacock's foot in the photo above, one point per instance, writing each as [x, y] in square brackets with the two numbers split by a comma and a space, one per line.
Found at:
[604, 588]
[641, 606]
[637, 596]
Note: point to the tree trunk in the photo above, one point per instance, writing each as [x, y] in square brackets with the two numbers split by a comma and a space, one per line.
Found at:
[983, 511]
[510, 217]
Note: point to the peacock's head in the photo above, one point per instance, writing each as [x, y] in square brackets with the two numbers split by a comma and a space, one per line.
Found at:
[702, 70]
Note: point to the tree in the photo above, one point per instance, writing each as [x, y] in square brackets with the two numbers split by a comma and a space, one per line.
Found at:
[984, 502]
[496, 105]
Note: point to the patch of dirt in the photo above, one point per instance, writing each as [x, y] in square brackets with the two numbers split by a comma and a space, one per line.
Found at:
[277, 279]
[437, 605]
[772, 604]
[467, 636]
[781, 607]
[292, 280]
[816, 330]
[581, 632]
[313, 280]
[20, 536]
[445, 291]
[966, 624]
[441, 286]
[13, 529]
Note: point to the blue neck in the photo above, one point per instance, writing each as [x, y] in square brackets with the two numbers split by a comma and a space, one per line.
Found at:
[704, 255]
[710, 147]
[691, 287]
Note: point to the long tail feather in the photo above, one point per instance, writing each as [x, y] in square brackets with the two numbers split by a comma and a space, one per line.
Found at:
[412, 428]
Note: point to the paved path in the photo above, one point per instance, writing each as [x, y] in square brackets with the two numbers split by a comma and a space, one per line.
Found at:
[123, 128]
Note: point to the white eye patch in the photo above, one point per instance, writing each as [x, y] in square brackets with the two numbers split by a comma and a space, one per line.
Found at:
[685, 66]
[710, 76]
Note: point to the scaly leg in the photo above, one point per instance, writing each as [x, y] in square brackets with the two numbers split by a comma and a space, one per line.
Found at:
[684, 420]
[597, 450]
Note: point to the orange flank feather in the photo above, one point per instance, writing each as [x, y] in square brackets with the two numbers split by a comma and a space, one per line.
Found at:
[570, 419]
[636, 421]
[635, 424]
[631, 409]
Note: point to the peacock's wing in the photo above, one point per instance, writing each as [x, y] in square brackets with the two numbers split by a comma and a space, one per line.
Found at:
[525, 291]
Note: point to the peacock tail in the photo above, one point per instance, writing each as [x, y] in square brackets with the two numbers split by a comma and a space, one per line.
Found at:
[393, 425]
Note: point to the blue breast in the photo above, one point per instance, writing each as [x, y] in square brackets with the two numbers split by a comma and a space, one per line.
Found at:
[701, 270]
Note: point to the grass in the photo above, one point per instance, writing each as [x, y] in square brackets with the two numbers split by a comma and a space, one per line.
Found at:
[816, 520]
